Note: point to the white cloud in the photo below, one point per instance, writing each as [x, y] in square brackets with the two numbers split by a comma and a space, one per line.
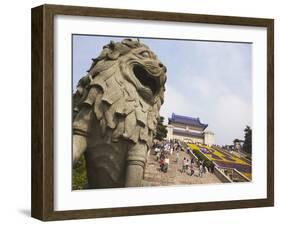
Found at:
[175, 102]
[230, 116]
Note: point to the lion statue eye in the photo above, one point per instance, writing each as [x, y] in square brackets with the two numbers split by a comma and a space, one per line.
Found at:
[145, 54]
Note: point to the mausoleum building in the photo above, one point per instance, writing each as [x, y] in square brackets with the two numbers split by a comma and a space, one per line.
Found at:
[189, 129]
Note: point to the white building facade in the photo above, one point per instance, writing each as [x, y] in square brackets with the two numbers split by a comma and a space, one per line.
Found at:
[189, 129]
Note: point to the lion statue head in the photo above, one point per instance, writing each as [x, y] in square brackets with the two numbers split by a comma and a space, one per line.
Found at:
[125, 88]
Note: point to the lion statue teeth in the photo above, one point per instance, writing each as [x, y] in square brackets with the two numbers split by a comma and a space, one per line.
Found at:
[115, 112]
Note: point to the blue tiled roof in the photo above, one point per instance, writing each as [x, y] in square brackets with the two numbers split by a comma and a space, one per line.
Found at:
[187, 133]
[187, 120]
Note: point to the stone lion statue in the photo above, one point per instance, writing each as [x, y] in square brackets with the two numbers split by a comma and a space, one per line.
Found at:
[115, 112]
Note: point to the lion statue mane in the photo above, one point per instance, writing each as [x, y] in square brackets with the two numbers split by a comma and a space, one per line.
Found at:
[115, 112]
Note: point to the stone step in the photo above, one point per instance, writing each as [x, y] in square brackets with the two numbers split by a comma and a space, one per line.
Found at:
[154, 177]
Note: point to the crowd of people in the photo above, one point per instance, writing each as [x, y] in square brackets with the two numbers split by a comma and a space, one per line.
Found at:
[164, 150]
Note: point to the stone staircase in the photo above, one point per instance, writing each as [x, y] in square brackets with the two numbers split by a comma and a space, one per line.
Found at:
[154, 177]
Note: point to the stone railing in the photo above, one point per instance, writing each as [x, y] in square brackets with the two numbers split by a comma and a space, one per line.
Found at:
[233, 175]
[193, 155]
[239, 177]
[222, 177]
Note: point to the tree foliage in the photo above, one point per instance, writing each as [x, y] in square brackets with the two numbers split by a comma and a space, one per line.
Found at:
[248, 140]
[161, 131]
[79, 174]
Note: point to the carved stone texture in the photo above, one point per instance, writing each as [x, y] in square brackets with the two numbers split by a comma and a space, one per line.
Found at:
[116, 107]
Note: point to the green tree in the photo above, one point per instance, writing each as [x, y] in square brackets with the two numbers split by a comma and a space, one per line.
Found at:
[79, 174]
[248, 140]
[161, 131]
[236, 140]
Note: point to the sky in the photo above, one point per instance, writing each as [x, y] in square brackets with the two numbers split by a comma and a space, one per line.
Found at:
[209, 80]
